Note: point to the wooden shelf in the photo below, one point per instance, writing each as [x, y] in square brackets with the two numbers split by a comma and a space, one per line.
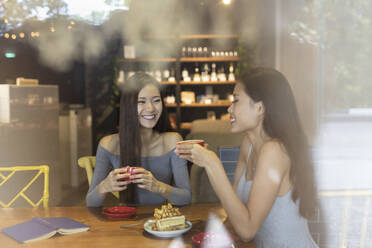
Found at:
[208, 36]
[201, 83]
[148, 60]
[167, 83]
[208, 59]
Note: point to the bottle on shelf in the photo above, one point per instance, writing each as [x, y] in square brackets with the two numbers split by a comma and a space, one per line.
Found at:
[172, 77]
[185, 75]
[231, 76]
[200, 52]
[205, 73]
[189, 52]
[194, 52]
[213, 73]
[196, 74]
[221, 74]
[184, 52]
[205, 52]
[165, 74]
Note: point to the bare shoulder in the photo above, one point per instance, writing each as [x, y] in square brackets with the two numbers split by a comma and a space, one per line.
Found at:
[170, 139]
[110, 143]
[275, 152]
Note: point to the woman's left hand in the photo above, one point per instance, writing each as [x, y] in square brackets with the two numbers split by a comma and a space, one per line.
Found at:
[145, 180]
[197, 154]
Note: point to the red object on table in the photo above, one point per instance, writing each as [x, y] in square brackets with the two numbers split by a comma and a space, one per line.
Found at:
[119, 212]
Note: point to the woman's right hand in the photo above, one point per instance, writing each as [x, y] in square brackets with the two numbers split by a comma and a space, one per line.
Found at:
[114, 181]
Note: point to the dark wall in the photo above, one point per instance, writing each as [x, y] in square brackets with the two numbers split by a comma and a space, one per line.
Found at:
[26, 64]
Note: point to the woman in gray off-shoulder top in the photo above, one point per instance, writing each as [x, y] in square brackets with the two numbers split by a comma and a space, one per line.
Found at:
[144, 142]
[273, 192]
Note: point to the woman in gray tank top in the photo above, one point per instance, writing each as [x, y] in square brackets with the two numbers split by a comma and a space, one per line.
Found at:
[273, 192]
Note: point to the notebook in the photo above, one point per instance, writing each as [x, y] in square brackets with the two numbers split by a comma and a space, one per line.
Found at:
[43, 228]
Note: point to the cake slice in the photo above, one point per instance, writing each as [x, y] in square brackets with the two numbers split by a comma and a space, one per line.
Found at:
[171, 223]
[168, 218]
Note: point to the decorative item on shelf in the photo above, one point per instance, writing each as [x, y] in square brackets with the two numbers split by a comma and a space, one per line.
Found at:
[185, 75]
[196, 74]
[200, 52]
[231, 76]
[170, 99]
[205, 52]
[205, 73]
[189, 52]
[213, 73]
[194, 52]
[188, 97]
[221, 74]
[166, 74]
[184, 52]
[26, 81]
[172, 77]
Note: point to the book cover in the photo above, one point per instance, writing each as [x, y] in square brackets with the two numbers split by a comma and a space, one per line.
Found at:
[43, 228]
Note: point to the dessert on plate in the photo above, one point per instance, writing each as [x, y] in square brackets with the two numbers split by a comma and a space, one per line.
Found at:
[168, 218]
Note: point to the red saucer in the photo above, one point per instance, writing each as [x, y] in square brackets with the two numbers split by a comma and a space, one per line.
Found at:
[119, 212]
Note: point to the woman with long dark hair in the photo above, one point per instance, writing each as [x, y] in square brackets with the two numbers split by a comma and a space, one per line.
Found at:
[143, 141]
[273, 192]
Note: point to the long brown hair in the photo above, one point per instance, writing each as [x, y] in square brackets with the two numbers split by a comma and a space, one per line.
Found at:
[282, 122]
[129, 126]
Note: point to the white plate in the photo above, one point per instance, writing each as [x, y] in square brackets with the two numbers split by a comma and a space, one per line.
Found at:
[166, 234]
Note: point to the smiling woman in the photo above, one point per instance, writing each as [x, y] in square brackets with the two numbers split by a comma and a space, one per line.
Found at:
[143, 141]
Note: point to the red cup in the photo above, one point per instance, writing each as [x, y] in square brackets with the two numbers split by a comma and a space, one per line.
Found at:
[184, 142]
[130, 170]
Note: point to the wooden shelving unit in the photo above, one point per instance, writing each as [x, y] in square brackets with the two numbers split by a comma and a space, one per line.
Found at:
[209, 59]
[149, 60]
[184, 112]
[201, 83]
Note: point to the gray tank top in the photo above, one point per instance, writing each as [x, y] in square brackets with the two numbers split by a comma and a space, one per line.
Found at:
[283, 227]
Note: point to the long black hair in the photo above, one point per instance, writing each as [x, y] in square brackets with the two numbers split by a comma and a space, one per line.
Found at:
[129, 126]
[281, 122]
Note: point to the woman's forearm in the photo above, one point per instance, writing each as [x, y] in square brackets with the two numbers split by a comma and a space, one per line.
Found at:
[237, 212]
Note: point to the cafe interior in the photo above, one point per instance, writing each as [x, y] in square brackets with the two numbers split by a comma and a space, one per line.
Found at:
[63, 64]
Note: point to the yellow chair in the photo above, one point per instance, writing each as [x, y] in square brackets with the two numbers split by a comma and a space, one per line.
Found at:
[7, 172]
[88, 163]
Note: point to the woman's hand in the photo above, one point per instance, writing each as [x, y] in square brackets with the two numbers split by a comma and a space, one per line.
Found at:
[197, 154]
[145, 180]
[114, 181]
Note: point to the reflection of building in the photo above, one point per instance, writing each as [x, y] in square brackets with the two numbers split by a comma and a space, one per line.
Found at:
[29, 130]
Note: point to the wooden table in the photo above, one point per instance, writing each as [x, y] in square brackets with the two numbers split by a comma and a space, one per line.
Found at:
[106, 232]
